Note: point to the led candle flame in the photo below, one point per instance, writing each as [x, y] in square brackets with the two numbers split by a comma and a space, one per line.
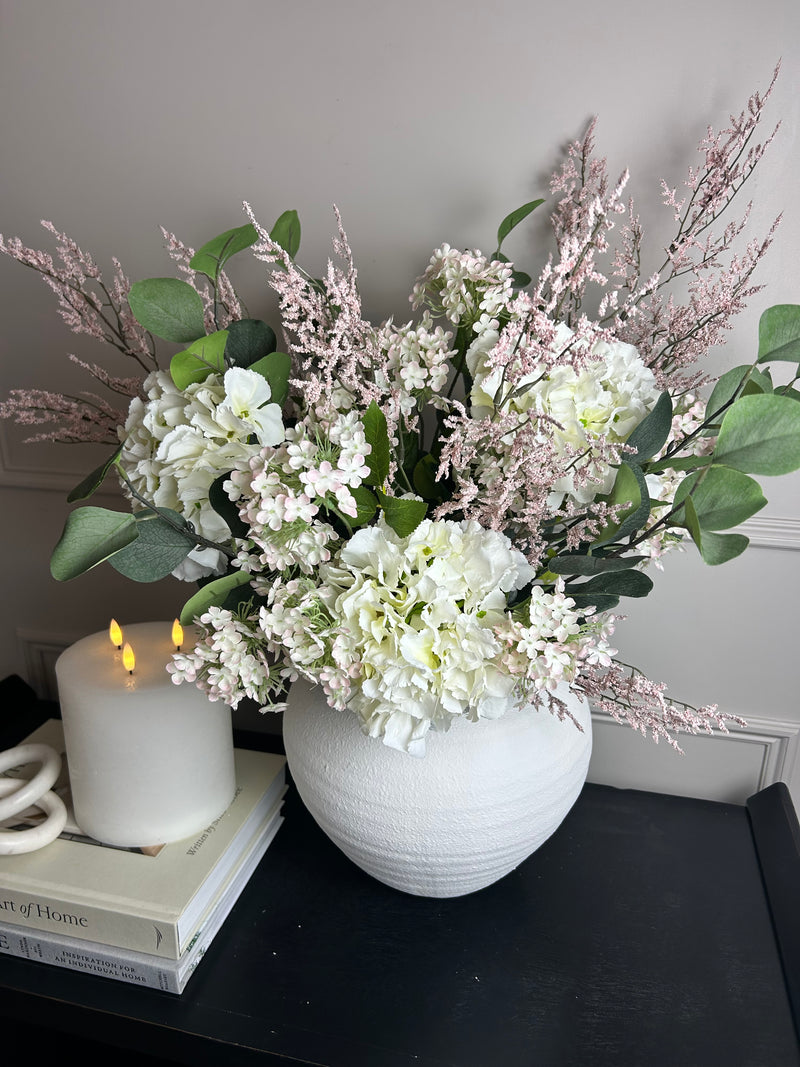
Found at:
[177, 635]
[128, 659]
[115, 633]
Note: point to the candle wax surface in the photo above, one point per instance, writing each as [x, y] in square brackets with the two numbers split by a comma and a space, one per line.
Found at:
[99, 663]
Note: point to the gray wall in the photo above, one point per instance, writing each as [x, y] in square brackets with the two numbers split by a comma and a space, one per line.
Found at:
[424, 122]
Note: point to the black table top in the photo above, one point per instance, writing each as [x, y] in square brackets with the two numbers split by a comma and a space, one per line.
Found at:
[639, 934]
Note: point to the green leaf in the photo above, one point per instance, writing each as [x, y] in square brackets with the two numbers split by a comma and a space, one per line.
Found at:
[366, 504]
[514, 219]
[213, 256]
[286, 232]
[722, 497]
[225, 507]
[89, 537]
[212, 595]
[730, 384]
[617, 583]
[779, 334]
[600, 601]
[403, 515]
[157, 550]
[94, 480]
[719, 548]
[206, 356]
[629, 488]
[519, 279]
[276, 368]
[377, 436]
[590, 565]
[715, 548]
[248, 341]
[760, 435]
[169, 308]
[649, 437]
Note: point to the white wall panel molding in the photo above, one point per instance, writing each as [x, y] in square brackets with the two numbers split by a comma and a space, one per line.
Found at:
[16, 473]
[40, 650]
[727, 767]
[772, 532]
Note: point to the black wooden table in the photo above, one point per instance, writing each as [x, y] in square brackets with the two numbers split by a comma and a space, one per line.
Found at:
[648, 930]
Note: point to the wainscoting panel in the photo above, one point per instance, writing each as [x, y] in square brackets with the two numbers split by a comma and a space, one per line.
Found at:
[718, 766]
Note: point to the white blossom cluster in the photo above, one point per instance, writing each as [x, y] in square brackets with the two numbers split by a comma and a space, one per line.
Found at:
[179, 441]
[230, 660]
[419, 357]
[281, 491]
[464, 286]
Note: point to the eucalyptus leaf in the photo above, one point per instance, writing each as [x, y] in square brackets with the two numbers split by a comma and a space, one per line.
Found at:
[649, 437]
[286, 232]
[212, 595]
[169, 308]
[591, 565]
[94, 480]
[403, 514]
[617, 583]
[718, 548]
[248, 341]
[779, 334]
[212, 257]
[514, 219]
[600, 601]
[89, 537]
[206, 356]
[722, 497]
[714, 548]
[158, 549]
[760, 435]
[691, 522]
[377, 435]
[746, 380]
[629, 488]
[276, 368]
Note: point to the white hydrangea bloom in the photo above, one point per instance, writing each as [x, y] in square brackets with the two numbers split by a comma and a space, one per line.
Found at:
[177, 442]
[417, 616]
[604, 398]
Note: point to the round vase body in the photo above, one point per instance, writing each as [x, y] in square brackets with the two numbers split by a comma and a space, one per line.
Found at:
[484, 796]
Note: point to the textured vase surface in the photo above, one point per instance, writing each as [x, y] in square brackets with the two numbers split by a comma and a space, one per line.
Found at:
[480, 801]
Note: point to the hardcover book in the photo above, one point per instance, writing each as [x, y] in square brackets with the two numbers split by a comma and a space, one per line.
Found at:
[150, 900]
[141, 968]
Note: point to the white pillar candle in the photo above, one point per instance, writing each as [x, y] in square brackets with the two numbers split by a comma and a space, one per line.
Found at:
[149, 761]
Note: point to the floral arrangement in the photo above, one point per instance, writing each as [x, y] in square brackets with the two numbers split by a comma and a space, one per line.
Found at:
[436, 519]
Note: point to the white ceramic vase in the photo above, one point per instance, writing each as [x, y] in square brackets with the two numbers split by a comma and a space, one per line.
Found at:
[482, 799]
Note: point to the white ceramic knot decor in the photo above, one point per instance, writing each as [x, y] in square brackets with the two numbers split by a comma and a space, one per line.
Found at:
[481, 800]
[18, 794]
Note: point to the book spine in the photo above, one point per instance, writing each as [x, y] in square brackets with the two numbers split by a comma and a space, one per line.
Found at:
[76, 957]
[107, 927]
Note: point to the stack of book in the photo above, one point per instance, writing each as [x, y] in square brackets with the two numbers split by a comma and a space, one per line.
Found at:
[144, 916]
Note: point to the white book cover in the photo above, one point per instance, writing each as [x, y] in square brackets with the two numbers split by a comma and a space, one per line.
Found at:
[149, 900]
[141, 968]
